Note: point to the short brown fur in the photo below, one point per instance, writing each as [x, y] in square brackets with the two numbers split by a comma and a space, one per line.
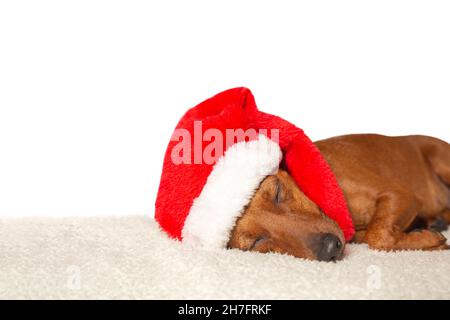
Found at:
[389, 184]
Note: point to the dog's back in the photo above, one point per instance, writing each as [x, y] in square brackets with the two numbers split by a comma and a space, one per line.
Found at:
[437, 152]
[388, 183]
[367, 163]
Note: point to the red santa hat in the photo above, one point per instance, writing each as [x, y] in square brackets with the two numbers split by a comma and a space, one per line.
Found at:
[220, 152]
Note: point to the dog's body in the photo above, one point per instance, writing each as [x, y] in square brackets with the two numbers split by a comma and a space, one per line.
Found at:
[391, 185]
[388, 182]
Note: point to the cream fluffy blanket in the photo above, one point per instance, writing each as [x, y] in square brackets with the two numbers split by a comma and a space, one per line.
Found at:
[129, 257]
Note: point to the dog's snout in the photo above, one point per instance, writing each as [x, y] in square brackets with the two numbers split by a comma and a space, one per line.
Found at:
[331, 248]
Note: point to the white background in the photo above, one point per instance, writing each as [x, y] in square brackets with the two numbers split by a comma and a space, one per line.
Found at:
[90, 91]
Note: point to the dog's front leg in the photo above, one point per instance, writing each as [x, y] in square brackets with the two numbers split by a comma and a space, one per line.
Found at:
[395, 211]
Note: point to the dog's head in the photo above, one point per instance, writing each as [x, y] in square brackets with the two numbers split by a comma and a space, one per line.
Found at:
[280, 218]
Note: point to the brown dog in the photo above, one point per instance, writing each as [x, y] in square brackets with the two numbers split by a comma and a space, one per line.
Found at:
[392, 186]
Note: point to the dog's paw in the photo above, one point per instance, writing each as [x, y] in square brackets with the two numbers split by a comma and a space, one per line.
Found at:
[433, 239]
[422, 240]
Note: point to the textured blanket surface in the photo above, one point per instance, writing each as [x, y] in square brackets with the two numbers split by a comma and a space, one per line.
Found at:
[129, 257]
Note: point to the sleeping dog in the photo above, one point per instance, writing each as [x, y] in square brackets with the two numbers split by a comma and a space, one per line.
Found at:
[397, 190]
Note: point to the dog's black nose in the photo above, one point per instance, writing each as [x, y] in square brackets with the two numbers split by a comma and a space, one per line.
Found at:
[331, 249]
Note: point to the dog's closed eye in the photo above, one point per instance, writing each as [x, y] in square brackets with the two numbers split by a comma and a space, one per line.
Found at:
[274, 190]
[281, 193]
[278, 192]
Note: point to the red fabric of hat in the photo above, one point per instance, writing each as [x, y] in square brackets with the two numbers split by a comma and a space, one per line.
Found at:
[220, 152]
